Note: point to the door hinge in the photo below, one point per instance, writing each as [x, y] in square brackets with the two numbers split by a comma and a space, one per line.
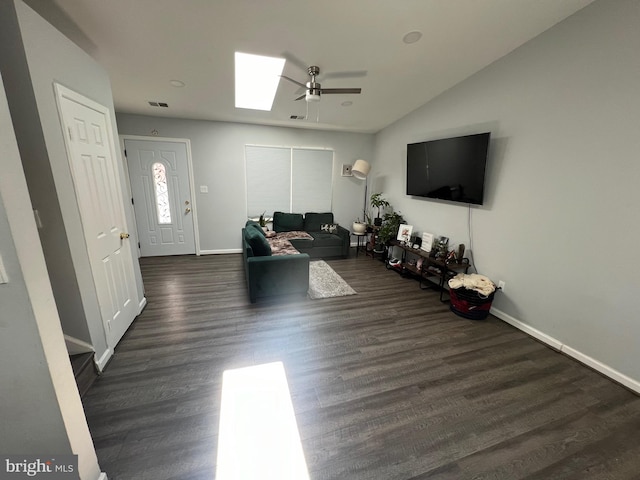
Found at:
[125, 152]
[132, 201]
[138, 244]
[70, 130]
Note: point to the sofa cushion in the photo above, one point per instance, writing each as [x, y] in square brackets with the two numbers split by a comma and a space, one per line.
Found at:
[323, 239]
[253, 223]
[313, 221]
[257, 241]
[286, 222]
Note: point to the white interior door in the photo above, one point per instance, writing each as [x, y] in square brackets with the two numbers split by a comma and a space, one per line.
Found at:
[90, 147]
[162, 201]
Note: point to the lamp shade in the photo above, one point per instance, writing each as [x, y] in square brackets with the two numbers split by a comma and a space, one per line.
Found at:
[360, 169]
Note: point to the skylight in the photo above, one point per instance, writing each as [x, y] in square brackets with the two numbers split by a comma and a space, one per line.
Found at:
[257, 79]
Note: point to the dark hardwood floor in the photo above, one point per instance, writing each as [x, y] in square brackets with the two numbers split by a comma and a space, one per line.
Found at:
[386, 384]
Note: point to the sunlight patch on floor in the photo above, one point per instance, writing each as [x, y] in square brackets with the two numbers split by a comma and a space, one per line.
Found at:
[258, 437]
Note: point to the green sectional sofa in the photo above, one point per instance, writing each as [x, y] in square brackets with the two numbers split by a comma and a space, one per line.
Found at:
[269, 275]
[325, 243]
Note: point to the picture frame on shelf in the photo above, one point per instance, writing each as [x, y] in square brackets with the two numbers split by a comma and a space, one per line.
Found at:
[427, 242]
[404, 232]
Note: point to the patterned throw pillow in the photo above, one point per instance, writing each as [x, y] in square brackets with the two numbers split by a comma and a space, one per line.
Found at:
[329, 227]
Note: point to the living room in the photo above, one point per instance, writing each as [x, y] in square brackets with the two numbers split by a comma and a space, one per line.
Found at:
[560, 187]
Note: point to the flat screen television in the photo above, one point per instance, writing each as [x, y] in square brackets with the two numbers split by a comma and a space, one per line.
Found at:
[449, 169]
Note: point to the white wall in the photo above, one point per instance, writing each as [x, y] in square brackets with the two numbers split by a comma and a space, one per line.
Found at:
[560, 225]
[48, 56]
[218, 162]
[41, 409]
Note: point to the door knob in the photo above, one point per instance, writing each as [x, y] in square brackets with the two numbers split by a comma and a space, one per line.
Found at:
[187, 210]
[123, 236]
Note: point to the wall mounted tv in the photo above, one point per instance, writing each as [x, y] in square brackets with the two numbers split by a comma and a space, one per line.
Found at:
[449, 169]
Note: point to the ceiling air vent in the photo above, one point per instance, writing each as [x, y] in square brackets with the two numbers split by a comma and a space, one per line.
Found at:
[159, 104]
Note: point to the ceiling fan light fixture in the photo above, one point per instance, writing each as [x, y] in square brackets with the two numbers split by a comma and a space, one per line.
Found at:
[312, 97]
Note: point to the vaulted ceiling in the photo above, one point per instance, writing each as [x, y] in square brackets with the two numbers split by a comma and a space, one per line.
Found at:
[146, 44]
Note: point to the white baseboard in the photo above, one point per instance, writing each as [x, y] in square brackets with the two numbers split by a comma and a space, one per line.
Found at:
[598, 366]
[535, 333]
[220, 252]
[76, 346]
[104, 359]
[142, 304]
[615, 375]
[103, 476]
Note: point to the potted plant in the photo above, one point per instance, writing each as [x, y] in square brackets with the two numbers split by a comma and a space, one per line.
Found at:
[359, 227]
[389, 229]
[262, 221]
[378, 201]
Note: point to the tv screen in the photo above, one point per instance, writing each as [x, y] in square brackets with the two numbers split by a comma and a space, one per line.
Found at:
[448, 169]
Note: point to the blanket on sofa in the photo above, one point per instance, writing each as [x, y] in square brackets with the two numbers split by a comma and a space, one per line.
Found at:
[280, 244]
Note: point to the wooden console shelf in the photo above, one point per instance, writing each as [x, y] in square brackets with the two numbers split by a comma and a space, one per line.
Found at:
[433, 271]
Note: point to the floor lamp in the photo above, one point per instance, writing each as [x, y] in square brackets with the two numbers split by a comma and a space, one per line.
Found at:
[360, 170]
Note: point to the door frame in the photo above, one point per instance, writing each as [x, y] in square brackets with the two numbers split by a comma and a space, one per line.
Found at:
[194, 206]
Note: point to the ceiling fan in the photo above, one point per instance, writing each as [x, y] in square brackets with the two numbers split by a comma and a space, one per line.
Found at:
[313, 89]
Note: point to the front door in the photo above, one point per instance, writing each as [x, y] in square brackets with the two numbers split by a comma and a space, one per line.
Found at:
[90, 148]
[162, 201]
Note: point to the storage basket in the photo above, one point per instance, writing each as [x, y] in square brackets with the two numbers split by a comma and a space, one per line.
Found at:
[470, 304]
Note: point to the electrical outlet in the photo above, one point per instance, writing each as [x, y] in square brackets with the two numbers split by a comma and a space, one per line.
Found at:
[501, 285]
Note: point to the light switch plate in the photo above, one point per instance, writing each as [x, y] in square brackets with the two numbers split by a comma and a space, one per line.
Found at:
[204, 189]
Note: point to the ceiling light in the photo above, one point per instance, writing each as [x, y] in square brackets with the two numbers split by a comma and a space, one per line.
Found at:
[177, 83]
[412, 37]
[312, 97]
[257, 79]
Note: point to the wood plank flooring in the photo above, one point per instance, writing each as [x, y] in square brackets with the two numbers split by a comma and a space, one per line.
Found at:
[386, 384]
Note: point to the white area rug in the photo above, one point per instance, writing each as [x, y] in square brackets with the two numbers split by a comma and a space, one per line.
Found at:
[324, 282]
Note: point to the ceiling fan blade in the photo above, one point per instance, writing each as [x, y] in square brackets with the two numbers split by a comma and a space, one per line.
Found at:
[301, 97]
[325, 91]
[346, 74]
[294, 81]
[292, 59]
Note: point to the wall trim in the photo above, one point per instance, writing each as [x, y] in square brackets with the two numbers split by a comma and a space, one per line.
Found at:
[142, 304]
[556, 344]
[104, 359]
[221, 252]
[613, 374]
[103, 476]
[529, 330]
[75, 345]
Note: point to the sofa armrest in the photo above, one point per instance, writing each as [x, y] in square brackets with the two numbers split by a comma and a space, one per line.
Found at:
[346, 240]
[277, 275]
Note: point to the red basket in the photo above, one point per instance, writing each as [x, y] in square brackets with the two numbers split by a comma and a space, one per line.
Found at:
[470, 304]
